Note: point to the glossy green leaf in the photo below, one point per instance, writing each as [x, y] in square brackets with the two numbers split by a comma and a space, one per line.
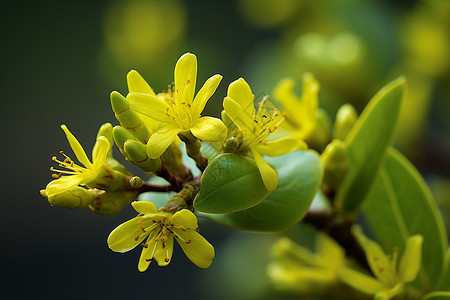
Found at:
[401, 205]
[299, 176]
[230, 183]
[367, 143]
[439, 295]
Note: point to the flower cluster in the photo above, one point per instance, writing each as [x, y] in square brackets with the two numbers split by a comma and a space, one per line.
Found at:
[151, 127]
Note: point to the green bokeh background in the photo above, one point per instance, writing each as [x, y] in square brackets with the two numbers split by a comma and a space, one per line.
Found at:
[61, 59]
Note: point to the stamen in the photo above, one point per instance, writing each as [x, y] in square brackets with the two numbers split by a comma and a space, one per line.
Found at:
[144, 245]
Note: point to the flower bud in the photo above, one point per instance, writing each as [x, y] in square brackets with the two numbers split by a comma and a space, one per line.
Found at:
[112, 203]
[335, 163]
[231, 145]
[137, 154]
[345, 119]
[128, 118]
[320, 135]
[106, 131]
[121, 135]
[135, 182]
[173, 160]
[76, 197]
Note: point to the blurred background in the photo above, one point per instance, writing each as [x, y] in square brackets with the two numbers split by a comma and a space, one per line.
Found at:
[61, 59]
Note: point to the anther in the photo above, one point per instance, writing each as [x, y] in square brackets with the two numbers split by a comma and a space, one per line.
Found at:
[188, 81]
[144, 245]
[142, 227]
[166, 260]
[136, 238]
[148, 259]
[188, 241]
[381, 269]
[61, 152]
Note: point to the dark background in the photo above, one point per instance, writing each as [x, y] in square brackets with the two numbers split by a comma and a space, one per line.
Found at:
[59, 65]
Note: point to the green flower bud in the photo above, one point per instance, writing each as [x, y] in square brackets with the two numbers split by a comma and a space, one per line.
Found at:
[226, 120]
[121, 135]
[112, 203]
[345, 119]
[76, 197]
[335, 163]
[173, 160]
[128, 118]
[135, 182]
[231, 145]
[137, 154]
[320, 136]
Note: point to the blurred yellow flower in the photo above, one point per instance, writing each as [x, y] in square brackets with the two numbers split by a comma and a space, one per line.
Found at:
[297, 269]
[160, 228]
[78, 175]
[177, 109]
[256, 126]
[301, 113]
[389, 279]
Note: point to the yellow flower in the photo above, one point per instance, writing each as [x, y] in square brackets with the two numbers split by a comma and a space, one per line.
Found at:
[137, 84]
[297, 269]
[301, 113]
[256, 126]
[78, 175]
[160, 228]
[177, 108]
[389, 279]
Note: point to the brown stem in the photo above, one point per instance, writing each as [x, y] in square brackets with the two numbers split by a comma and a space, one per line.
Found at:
[148, 187]
[175, 181]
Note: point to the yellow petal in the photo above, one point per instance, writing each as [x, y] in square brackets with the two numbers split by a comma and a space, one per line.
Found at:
[204, 94]
[243, 120]
[411, 259]
[63, 184]
[209, 129]
[161, 140]
[185, 218]
[163, 253]
[332, 255]
[284, 93]
[185, 78]
[147, 252]
[281, 146]
[268, 174]
[240, 91]
[76, 147]
[149, 105]
[137, 84]
[196, 247]
[378, 261]
[360, 281]
[123, 238]
[144, 207]
[100, 152]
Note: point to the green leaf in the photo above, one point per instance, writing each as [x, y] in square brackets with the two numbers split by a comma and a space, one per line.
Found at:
[439, 295]
[299, 176]
[230, 183]
[367, 143]
[445, 283]
[401, 205]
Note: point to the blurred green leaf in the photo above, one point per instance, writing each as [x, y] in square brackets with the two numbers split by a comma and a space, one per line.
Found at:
[401, 205]
[446, 279]
[230, 183]
[439, 295]
[367, 143]
[299, 176]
